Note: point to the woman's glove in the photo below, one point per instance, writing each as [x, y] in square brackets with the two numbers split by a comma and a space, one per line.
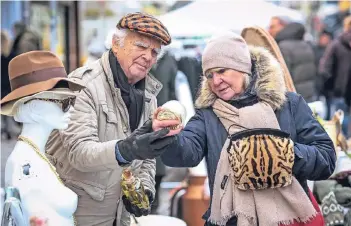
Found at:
[144, 144]
[134, 209]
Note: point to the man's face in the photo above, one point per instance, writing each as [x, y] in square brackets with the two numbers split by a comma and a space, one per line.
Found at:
[275, 27]
[324, 40]
[137, 55]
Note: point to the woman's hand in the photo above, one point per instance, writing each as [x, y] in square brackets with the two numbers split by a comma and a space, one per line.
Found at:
[158, 125]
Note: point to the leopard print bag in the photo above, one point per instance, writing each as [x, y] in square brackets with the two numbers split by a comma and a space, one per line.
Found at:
[261, 158]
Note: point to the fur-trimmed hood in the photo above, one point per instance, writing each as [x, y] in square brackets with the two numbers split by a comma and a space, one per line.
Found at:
[268, 81]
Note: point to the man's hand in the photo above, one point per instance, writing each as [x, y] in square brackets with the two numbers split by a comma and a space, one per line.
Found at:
[133, 209]
[143, 143]
[159, 125]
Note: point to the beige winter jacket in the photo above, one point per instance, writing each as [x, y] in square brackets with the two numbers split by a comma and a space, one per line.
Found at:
[84, 154]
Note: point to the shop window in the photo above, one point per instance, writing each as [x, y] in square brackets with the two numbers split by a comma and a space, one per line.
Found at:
[40, 22]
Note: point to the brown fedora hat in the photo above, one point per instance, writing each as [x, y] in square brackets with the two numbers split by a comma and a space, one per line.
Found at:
[34, 72]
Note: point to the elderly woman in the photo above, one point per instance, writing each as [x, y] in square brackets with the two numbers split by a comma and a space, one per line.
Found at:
[243, 90]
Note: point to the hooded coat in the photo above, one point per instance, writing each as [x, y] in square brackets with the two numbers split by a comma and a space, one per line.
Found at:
[204, 135]
[300, 60]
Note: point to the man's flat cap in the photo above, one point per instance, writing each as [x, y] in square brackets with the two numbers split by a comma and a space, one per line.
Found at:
[147, 25]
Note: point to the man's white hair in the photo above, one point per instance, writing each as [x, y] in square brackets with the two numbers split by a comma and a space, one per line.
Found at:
[116, 35]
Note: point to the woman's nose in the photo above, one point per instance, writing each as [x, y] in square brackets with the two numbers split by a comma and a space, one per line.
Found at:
[217, 79]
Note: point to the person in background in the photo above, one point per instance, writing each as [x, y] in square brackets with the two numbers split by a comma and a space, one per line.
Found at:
[324, 39]
[277, 23]
[9, 127]
[335, 67]
[5, 49]
[25, 40]
[110, 127]
[298, 55]
[165, 71]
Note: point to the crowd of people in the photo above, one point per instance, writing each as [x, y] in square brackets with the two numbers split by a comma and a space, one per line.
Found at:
[318, 70]
[242, 106]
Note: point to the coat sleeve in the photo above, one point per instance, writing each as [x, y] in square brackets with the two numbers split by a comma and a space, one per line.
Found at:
[147, 169]
[327, 62]
[85, 151]
[190, 146]
[314, 151]
[146, 174]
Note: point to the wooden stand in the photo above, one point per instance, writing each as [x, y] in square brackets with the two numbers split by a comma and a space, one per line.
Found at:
[195, 203]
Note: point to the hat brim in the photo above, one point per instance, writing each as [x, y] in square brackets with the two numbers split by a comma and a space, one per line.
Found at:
[257, 36]
[37, 87]
[10, 108]
[151, 36]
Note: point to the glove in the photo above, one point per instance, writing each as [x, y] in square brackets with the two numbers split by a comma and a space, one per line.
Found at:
[145, 144]
[133, 209]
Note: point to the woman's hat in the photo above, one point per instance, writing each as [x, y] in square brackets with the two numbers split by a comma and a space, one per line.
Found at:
[227, 50]
[31, 74]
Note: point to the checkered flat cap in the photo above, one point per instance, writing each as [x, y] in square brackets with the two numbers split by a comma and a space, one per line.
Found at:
[147, 25]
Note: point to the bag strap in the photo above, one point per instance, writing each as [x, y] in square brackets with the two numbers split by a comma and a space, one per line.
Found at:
[234, 124]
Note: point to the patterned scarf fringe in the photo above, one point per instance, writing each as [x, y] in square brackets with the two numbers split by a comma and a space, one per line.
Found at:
[225, 219]
[299, 220]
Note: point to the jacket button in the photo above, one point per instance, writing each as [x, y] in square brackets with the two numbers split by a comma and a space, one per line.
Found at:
[157, 86]
[125, 129]
[61, 164]
[54, 161]
[153, 91]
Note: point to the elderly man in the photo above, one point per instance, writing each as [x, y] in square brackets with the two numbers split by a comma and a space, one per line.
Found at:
[103, 136]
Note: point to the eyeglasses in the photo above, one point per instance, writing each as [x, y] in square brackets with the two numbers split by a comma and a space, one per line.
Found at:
[65, 103]
[220, 71]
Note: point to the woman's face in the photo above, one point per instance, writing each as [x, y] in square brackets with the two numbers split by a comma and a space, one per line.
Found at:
[226, 83]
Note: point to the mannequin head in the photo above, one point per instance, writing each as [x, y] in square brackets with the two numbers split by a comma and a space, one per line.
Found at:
[45, 113]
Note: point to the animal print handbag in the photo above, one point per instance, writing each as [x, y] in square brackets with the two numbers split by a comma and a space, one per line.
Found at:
[261, 158]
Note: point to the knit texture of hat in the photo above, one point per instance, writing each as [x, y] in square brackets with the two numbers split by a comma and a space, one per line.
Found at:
[227, 51]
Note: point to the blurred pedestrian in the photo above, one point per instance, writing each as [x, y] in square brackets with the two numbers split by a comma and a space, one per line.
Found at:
[110, 127]
[277, 23]
[243, 89]
[25, 39]
[9, 127]
[324, 39]
[335, 67]
[298, 55]
[5, 49]
[165, 71]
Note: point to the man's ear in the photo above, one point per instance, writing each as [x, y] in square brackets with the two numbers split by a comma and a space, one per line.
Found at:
[115, 45]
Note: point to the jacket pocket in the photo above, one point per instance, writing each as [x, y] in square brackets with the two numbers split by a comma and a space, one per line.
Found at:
[108, 125]
[94, 190]
[110, 115]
